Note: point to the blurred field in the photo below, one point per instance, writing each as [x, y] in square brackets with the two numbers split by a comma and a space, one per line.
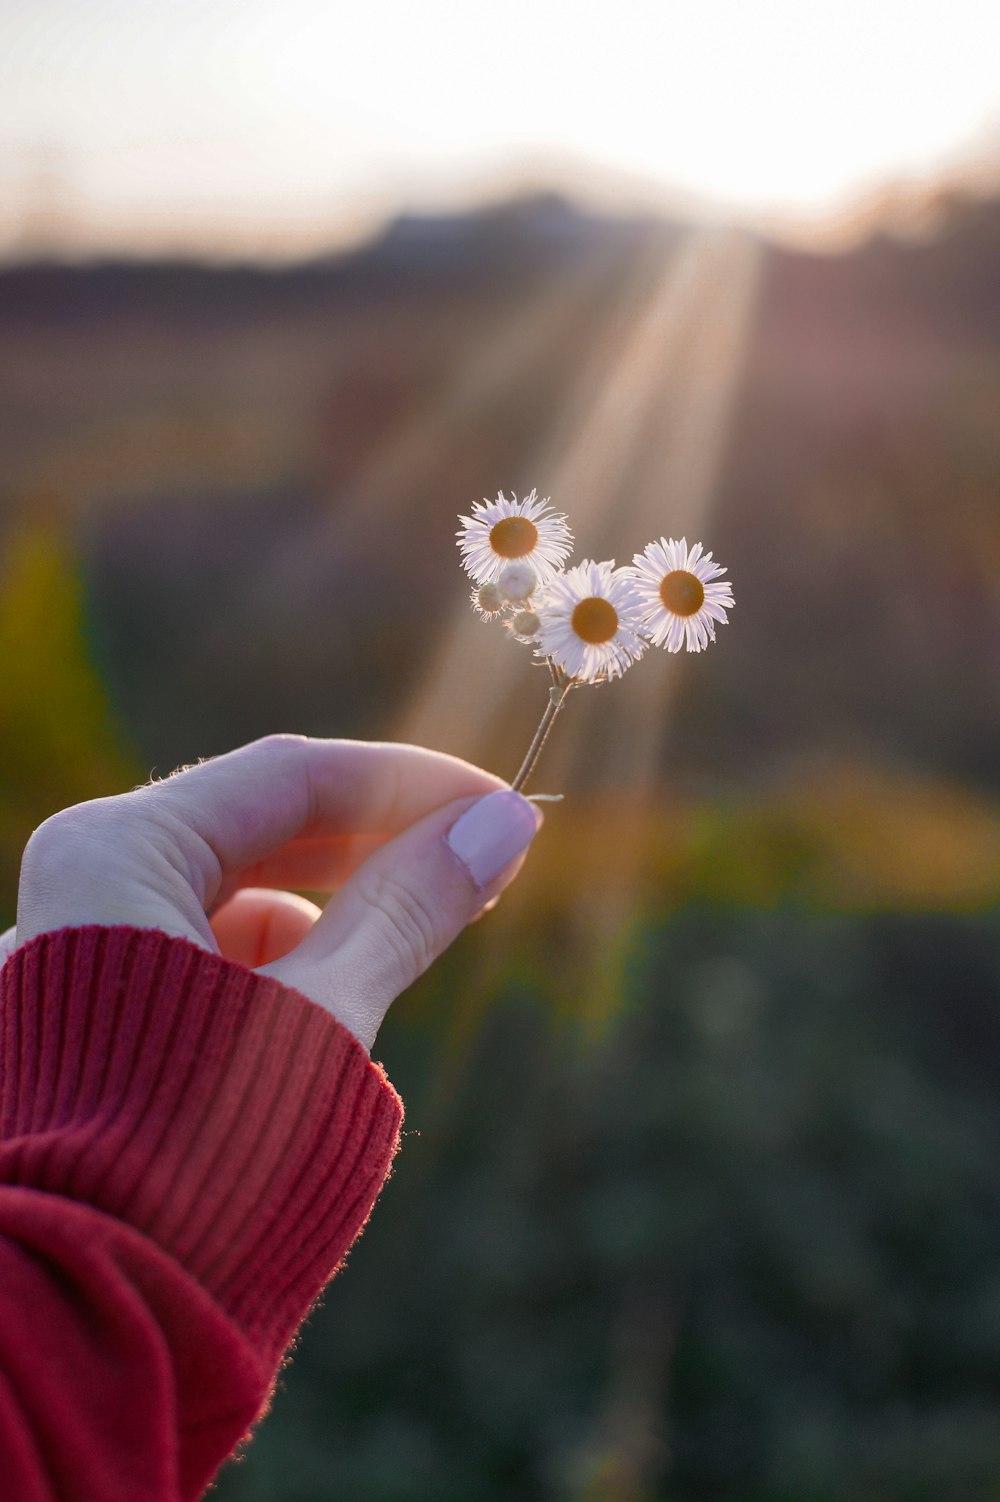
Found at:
[701, 1200]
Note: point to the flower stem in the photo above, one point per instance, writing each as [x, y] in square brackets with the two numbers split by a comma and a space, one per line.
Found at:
[557, 697]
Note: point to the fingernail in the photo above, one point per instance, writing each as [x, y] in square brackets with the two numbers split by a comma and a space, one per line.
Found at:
[492, 833]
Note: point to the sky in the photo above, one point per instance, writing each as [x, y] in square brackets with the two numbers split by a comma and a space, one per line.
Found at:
[279, 126]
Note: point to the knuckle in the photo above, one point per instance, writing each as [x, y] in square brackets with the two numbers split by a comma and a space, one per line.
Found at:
[67, 847]
[63, 832]
[405, 918]
[281, 742]
[79, 834]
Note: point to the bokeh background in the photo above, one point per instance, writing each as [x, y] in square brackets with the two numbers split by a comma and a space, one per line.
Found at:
[699, 1197]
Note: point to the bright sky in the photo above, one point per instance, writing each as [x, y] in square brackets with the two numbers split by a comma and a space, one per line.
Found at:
[267, 124]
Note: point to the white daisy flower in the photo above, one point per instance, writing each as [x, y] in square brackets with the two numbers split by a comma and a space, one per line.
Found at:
[589, 622]
[680, 602]
[501, 530]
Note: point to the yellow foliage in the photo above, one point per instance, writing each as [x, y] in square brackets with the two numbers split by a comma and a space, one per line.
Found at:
[59, 743]
[836, 837]
[840, 836]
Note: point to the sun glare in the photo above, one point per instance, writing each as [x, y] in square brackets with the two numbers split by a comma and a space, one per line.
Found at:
[302, 115]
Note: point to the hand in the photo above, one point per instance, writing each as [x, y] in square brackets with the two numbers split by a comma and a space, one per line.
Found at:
[412, 843]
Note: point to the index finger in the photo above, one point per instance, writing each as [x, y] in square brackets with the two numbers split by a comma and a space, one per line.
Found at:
[250, 802]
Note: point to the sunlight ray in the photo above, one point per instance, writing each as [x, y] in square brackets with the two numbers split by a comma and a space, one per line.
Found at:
[498, 359]
[701, 341]
[478, 671]
[637, 452]
[619, 480]
[408, 458]
[672, 492]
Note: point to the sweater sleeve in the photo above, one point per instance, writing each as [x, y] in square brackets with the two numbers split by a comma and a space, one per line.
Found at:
[187, 1150]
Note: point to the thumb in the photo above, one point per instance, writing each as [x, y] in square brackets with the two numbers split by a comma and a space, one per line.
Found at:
[406, 904]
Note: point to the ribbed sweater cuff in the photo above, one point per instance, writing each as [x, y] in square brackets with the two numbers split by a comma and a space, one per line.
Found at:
[227, 1117]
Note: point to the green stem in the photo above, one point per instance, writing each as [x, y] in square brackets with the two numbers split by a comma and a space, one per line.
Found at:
[557, 698]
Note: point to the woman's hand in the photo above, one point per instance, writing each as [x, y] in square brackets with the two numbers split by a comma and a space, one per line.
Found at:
[413, 844]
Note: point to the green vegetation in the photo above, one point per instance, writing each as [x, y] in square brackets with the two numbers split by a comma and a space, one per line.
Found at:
[746, 1248]
[59, 743]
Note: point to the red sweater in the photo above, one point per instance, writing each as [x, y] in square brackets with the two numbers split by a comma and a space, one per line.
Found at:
[187, 1150]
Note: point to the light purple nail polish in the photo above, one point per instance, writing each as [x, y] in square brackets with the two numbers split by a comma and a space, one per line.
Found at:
[490, 834]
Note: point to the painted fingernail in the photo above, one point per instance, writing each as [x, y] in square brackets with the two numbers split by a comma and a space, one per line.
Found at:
[492, 833]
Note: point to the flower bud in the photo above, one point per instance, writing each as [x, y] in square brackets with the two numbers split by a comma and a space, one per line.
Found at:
[488, 599]
[525, 623]
[517, 582]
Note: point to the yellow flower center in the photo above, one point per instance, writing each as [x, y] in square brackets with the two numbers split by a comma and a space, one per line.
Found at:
[595, 620]
[513, 537]
[682, 593]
